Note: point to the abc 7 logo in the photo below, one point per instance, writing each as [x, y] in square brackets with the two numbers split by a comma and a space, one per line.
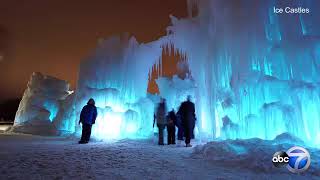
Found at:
[297, 159]
[280, 159]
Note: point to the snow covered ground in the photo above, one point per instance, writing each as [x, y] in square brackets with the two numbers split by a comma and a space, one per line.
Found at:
[36, 157]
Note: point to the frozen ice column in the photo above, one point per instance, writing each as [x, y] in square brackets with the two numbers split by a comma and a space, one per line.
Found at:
[116, 76]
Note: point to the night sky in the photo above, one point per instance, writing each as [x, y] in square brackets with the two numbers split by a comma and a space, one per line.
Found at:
[53, 36]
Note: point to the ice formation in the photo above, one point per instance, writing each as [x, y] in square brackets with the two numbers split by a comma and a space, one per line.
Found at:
[116, 76]
[41, 104]
[175, 90]
[256, 74]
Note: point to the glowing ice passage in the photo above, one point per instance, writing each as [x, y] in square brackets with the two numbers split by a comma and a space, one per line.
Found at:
[256, 74]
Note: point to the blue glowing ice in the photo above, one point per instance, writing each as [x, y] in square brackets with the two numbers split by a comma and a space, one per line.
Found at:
[116, 76]
[41, 104]
[255, 73]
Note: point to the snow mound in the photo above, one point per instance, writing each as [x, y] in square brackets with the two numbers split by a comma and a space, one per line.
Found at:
[235, 152]
[253, 154]
[38, 127]
[288, 138]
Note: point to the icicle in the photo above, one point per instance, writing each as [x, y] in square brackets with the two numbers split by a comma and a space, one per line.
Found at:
[303, 28]
[160, 64]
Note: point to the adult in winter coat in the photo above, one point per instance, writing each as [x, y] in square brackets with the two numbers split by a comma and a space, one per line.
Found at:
[161, 119]
[188, 119]
[87, 118]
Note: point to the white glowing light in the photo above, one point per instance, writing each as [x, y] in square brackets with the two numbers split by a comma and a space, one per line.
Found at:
[70, 92]
[108, 126]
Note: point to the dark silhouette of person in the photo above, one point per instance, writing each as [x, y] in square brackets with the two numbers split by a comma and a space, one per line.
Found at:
[161, 119]
[188, 119]
[171, 127]
[87, 118]
[179, 125]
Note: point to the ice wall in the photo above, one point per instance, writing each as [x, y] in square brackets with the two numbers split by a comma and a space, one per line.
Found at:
[257, 72]
[40, 106]
[175, 90]
[116, 76]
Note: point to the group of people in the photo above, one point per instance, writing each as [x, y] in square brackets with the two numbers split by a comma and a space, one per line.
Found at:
[184, 119]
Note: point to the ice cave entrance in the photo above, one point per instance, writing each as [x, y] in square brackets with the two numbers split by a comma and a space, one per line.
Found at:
[171, 79]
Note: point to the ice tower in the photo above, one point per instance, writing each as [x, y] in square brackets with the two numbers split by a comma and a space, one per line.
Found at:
[257, 72]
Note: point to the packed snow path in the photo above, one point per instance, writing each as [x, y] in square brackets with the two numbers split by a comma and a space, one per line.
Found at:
[35, 157]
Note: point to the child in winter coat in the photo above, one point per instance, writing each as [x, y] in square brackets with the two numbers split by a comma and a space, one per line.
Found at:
[171, 127]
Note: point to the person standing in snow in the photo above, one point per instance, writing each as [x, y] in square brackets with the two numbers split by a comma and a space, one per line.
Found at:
[87, 118]
[161, 119]
[171, 127]
[188, 117]
[179, 125]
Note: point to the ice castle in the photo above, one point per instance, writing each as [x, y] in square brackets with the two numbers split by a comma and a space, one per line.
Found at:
[254, 73]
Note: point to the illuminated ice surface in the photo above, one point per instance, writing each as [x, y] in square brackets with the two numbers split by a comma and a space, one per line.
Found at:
[175, 90]
[42, 106]
[256, 74]
[116, 76]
